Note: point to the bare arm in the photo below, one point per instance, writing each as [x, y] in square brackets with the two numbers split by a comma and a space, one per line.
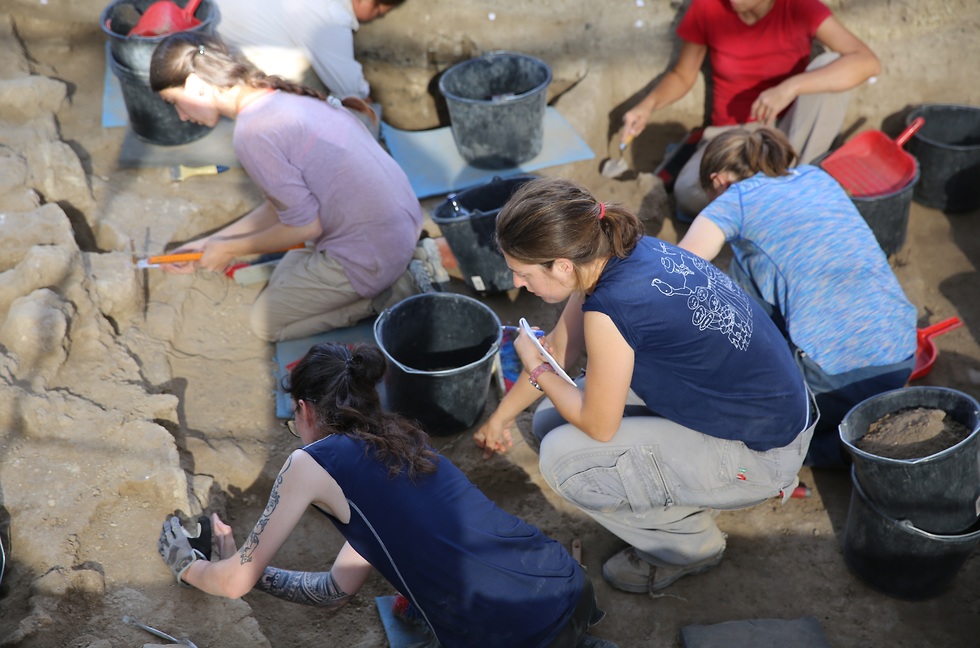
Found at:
[598, 411]
[565, 343]
[674, 85]
[258, 231]
[703, 238]
[857, 63]
[300, 483]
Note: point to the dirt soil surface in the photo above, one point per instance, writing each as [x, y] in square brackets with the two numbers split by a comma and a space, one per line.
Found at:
[125, 395]
[912, 433]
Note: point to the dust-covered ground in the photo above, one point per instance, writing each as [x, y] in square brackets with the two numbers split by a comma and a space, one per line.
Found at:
[126, 395]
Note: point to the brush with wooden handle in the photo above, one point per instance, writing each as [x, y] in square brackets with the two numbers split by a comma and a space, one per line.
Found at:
[180, 172]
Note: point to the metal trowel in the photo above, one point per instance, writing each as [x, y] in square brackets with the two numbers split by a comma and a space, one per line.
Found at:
[615, 168]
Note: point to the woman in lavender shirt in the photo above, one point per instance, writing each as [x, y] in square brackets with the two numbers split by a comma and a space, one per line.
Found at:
[327, 183]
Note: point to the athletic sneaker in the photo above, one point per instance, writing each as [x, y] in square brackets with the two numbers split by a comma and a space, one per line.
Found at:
[628, 572]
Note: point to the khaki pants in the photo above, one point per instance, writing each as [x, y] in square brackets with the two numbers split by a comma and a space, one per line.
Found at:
[811, 124]
[309, 293]
[658, 485]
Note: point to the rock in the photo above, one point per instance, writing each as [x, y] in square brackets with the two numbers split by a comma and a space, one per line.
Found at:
[36, 332]
[43, 266]
[61, 581]
[13, 170]
[54, 583]
[23, 98]
[117, 288]
[46, 225]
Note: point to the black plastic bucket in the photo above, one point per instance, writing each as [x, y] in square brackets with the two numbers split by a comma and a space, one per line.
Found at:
[150, 117]
[468, 220]
[939, 493]
[887, 214]
[135, 52]
[496, 108]
[440, 348]
[948, 150]
[898, 558]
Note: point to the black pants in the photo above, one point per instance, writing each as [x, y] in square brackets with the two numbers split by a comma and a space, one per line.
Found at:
[586, 615]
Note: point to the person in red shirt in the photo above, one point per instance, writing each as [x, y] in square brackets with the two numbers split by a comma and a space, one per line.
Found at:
[761, 73]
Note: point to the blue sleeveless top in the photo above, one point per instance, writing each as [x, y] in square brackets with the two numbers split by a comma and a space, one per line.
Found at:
[479, 575]
[706, 355]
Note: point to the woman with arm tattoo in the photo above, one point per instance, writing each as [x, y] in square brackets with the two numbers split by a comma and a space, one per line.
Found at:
[471, 572]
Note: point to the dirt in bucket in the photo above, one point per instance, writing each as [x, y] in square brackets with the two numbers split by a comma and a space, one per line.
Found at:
[912, 433]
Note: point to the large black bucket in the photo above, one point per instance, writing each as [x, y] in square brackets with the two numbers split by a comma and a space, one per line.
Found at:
[150, 117]
[496, 108]
[948, 150]
[887, 214]
[898, 558]
[135, 52]
[468, 221]
[440, 347]
[939, 493]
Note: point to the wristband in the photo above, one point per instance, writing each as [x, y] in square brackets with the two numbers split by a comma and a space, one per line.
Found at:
[540, 369]
[194, 557]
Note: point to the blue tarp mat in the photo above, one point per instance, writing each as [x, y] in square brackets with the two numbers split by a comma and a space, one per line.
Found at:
[435, 167]
[289, 351]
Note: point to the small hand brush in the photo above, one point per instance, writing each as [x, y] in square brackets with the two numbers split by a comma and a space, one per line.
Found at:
[180, 172]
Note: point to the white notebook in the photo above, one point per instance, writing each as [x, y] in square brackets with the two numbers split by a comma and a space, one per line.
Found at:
[551, 360]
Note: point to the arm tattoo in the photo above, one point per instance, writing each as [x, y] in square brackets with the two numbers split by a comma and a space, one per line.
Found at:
[307, 588]
[253, 537]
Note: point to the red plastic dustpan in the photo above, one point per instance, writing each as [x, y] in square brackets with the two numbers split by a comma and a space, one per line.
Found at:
[925, 353]
[872, 164]
[166, 17]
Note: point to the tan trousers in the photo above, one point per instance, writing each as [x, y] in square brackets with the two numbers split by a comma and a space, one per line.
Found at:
[309, 293]
[811, 124]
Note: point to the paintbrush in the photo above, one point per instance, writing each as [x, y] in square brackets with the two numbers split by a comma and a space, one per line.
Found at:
[180, 172]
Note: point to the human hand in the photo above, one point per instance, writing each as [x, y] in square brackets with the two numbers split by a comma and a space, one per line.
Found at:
[186, 267]
[224, 537]
[493, 437]
[770, 103]
[175, 548]
[528, 351]
[218, 255]
[634, 121]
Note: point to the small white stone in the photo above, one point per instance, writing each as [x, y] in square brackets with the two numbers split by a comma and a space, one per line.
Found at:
[639, 24]
[491, 16]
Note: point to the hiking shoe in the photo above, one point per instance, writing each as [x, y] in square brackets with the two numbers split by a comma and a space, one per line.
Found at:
[628, 572]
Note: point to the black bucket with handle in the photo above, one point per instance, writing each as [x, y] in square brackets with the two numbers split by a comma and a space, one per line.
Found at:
[948, 150]
[496, 106]
[440, 349]
[939, 493]
[897, 557]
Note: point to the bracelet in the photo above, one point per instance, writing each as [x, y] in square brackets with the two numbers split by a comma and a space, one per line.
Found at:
[540, 369]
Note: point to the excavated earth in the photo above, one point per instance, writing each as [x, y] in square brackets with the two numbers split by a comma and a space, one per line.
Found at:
[127, 395]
